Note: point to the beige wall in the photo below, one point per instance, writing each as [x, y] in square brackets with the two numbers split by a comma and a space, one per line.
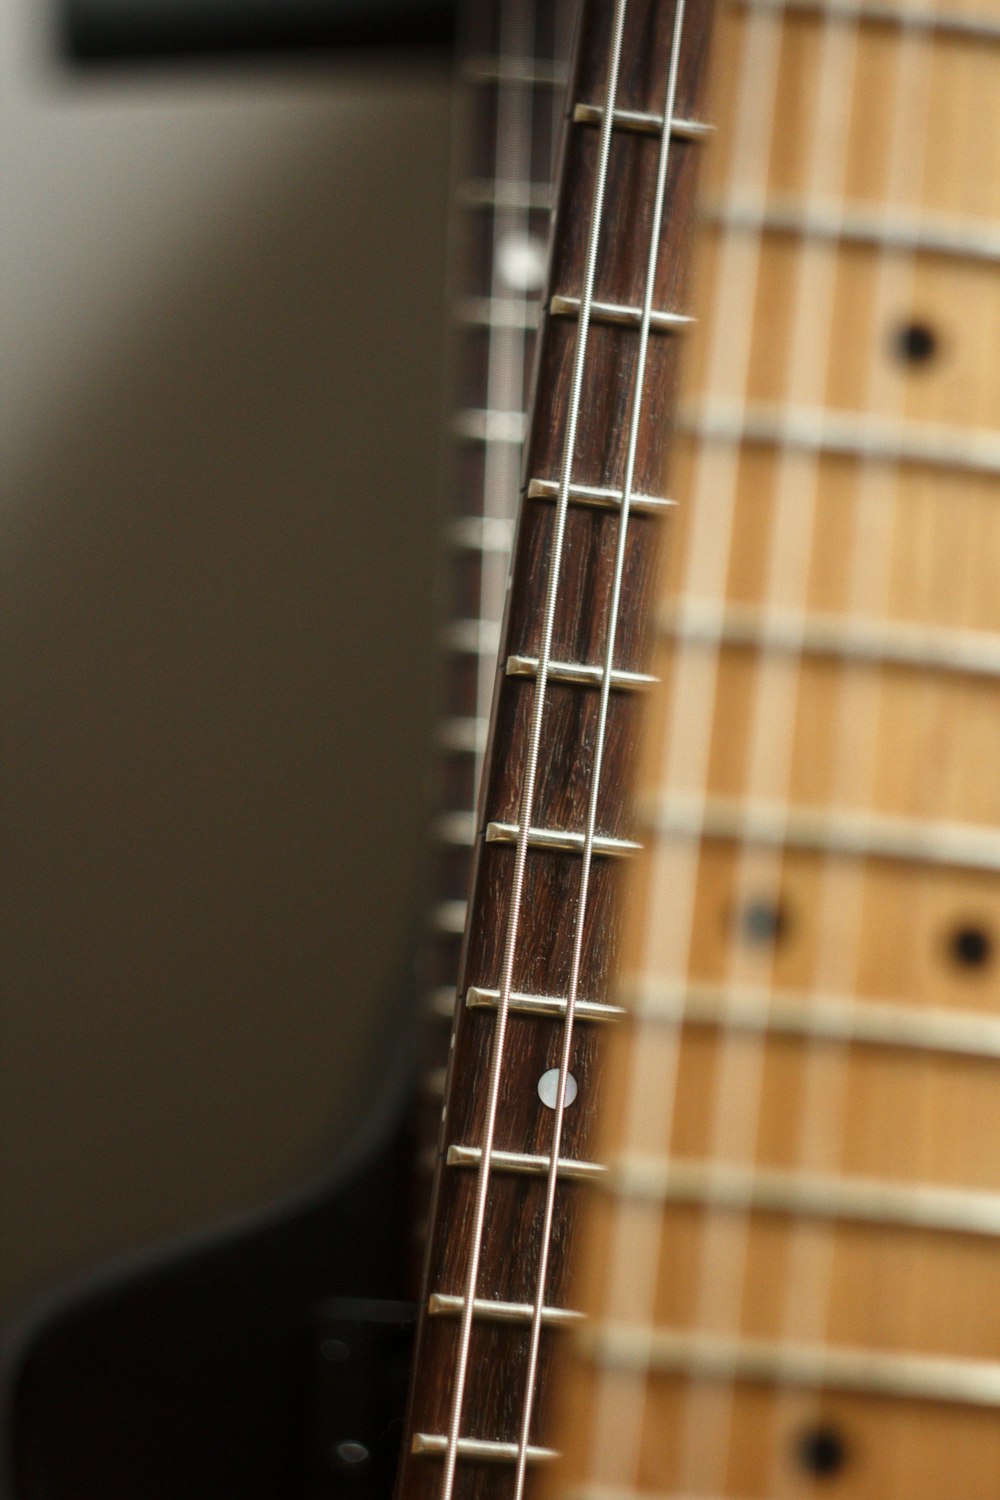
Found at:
[222, 307]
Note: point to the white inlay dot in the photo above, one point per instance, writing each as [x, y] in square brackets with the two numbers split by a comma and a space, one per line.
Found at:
[548, 1088]
[521, 261]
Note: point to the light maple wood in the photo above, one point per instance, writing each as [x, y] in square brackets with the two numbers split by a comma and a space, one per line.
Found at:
[875, 124]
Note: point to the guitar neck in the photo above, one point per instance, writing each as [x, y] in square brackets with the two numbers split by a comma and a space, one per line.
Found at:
[553, 828]
[795, 1275]
[513, 64]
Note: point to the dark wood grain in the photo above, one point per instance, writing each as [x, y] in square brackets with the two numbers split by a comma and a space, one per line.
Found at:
[512, 1240]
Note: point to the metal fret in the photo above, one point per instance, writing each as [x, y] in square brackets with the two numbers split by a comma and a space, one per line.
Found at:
[473, 637]
[536, 72]
[598, 495]
[498, 312]
[477, 998]
[484, 192]
[441, 1002]
[562, 840]
[849, 638]
[837, 831]
[854, 435]
[527, 1165]
[969, 241]
[457, 827]
[433, 1445]
[441, 1304]
[867, 1022]
[582, 674]
[468, 734]
[618, 312]
[771, 1190]
[908, 18]
[448, 917]
[481, 426]
[481, 533]
[646, 122]
[765, 1362]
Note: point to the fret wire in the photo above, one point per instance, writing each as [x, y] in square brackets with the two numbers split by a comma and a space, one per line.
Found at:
[844, 832]
[643, 121]
[719, 1185]
[853, 435]
[894, 643]
[599, 495]
[821, 1367]
[618, 313]
[478, 998]
[886, 1023]
[442, 1305]
[971, 240]
[590, 841]
[582, 674]
[907, 18]
[481, 1449]
[528, 791]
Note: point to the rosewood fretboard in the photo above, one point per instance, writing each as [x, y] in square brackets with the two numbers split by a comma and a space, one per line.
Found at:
[518, 1001]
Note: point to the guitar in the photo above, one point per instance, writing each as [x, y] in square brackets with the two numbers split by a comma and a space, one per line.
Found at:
[793, 1275]
[553, 833]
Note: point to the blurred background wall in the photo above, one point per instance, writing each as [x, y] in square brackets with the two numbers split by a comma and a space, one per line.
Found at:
[222, 309]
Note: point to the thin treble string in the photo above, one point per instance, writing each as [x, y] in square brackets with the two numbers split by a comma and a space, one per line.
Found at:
[513, 139]
[738, 1083]
[614, 612]
[531, 766]
[631, 1282]
[822, 1136]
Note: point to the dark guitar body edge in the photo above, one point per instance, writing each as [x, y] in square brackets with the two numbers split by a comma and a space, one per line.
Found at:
[198, 1371]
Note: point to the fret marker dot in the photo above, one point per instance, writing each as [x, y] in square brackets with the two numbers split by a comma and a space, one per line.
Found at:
[548, 1088]
[760, 922]
[971, 946]
[521, 261]
[914, 344]
[821, 1451]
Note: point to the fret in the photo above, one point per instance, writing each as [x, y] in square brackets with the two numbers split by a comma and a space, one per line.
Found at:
[525, 1164]
[441, 1001]
[464, 734]
[867, 1022]
[472, 637]
[477, 998]
[580, 674]
[646, 122]
[516, 313]
[616, 312]
[972, 241]
[535, 72]
[442, 1305]
[561, 840]
[433, 1445]
[456, 827]
[482, 534]
[718, 1185]
[484, 193]
[480, 426]
[600, 496]
[932, 649]
[448, 917]
[841, 832]
[827, 1367]
[851, 434]
[906, 17]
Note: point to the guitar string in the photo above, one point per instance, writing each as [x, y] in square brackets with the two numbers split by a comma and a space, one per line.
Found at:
[528, 788]
[630, 1277]
[737, 1091]
[823, 1133]
[614, 610]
